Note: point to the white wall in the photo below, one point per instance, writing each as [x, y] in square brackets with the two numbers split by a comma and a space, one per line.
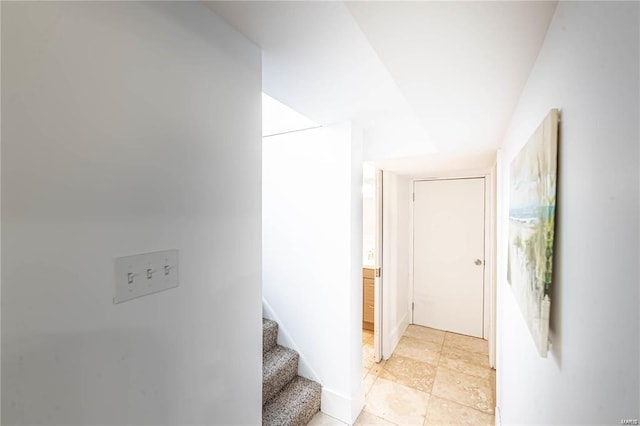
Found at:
[588, 67]
[128, 128]
[312, 254]
[396, 234]
[354, 326]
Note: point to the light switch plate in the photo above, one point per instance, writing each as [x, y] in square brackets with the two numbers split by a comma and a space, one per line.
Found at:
[142, 274]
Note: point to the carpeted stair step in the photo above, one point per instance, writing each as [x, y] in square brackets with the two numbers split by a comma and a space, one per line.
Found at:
[279, 367]
[269, 335]
[295, 405]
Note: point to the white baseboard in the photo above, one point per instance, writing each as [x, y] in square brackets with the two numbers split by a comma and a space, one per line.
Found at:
[341, 407]
[498, 420]
[284, 339]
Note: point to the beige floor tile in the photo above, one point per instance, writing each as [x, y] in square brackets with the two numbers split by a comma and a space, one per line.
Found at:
[467, 343]
[367, 356]
[425, 333]
[472, 391]
[453, 367]
[365, 419]
[377, 367]
[419, 350]
[472, 363]
[406, 371]
[397, 403]
[365, 371]
[321, 419]
[367, 337]
[443, 412]
[368, 382]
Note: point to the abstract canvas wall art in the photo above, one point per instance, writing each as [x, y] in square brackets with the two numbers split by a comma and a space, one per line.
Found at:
[532, 208]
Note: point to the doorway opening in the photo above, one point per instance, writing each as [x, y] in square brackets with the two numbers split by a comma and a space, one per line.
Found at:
[371, 265]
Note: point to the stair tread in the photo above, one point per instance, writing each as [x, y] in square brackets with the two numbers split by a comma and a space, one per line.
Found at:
[279, 367]
[294, 405]
[268, 322]
[269, 334]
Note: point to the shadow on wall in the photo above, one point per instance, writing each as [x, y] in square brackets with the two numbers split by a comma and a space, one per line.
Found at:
[555, 319]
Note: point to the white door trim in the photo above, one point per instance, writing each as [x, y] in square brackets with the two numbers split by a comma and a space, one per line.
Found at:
[491, 253]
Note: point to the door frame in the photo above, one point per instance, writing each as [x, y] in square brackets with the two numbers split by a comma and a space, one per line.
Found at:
[489, 289]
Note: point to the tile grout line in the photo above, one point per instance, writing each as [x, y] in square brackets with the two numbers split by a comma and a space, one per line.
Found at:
[438, 368]
[431, 395]
[447, 399]
[426, 411]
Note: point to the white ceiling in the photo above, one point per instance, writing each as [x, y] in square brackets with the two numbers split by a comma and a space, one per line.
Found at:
[434, 80]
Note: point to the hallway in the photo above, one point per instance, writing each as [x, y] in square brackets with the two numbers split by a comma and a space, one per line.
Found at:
[432, 378]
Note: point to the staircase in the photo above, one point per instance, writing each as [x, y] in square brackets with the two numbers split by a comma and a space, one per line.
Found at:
[287, 399]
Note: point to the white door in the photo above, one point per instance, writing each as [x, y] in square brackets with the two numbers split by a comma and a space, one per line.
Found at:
[448, 264]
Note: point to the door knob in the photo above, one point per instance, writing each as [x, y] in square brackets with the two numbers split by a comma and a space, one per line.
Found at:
[478, 262]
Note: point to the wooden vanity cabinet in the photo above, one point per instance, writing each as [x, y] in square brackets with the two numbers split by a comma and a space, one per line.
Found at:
[368, 277]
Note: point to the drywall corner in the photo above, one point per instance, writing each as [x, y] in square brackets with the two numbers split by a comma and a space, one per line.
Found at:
[341, 407]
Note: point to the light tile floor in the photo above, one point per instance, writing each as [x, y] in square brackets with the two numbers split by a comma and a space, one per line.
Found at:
[433, 378]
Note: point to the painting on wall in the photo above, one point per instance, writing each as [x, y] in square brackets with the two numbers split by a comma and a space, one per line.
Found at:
[532, 208]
